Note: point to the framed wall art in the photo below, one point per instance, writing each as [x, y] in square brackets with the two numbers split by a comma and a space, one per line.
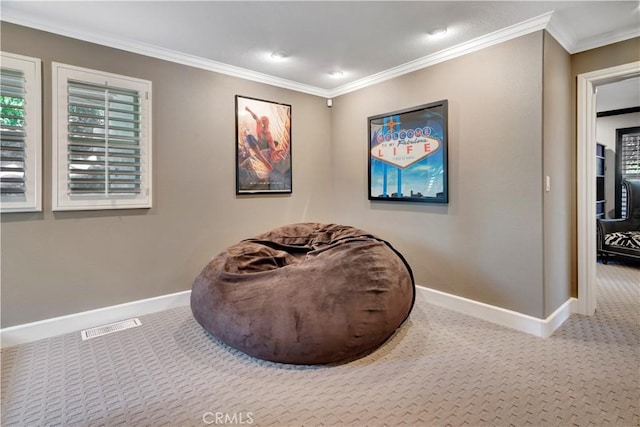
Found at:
[263, 146]
[408, 154]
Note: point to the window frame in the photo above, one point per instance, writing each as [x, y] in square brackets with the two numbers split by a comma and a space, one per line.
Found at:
[61, 199]
[32, 69]
[619, 175]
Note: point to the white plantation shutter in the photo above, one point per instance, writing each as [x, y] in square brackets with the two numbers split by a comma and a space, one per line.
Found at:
[13, 133]
[103, 140]
[20, 133]
[629, 163]
[103, 158]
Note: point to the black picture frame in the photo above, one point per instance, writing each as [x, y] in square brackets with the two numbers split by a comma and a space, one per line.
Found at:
[263, 146]
[408, 151]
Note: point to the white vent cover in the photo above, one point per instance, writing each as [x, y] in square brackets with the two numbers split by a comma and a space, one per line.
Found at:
[108, 329]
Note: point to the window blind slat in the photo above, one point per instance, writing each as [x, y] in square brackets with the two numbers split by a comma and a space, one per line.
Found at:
[12, 132]
[12, 188]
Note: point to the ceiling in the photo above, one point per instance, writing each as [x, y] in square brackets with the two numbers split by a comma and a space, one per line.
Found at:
[367, 41]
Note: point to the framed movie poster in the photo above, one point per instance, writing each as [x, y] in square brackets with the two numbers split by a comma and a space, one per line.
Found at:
[263, 146]
[408, 155]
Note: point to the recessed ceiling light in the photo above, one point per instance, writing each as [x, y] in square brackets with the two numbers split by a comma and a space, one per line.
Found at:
[336, 74]
[278, 56]
[438, 32]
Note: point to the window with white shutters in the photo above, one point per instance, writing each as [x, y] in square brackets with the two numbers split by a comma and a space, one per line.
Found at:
[102, 153]
[20, 133]
[628, 164]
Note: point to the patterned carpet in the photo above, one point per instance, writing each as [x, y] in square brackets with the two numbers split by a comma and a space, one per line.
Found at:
[442, 368]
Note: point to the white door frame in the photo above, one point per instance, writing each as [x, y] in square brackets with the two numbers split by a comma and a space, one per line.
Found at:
[586, 170]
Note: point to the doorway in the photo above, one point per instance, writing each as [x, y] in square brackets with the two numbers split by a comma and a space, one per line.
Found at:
[586, 170]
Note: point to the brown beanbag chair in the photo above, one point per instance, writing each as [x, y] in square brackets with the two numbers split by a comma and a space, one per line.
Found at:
[305, 294]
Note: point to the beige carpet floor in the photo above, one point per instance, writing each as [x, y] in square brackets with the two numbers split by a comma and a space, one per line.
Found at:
[442, 369]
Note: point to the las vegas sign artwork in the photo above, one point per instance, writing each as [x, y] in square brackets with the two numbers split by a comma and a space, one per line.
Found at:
[406, 147]
[408, 154]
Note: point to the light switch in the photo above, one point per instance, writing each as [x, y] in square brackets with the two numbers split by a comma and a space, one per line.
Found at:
[547, 183]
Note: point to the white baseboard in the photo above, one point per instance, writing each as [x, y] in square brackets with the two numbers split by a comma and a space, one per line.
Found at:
[47, 328]
[29, 332]
[521, 322]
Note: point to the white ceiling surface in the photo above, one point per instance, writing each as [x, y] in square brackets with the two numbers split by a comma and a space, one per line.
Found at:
[368, 41]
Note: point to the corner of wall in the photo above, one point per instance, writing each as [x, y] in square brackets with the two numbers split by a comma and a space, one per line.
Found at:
[559, 178]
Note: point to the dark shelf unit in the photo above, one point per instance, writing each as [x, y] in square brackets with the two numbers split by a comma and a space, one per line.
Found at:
[600, 171]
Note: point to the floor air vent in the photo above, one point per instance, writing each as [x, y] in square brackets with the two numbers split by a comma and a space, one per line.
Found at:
[108, 329]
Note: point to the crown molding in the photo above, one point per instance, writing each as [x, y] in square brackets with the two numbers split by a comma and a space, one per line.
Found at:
[571, 45]
[560, 34]
[605, 39]
[517, 30]
[161, 53]
[479, 43]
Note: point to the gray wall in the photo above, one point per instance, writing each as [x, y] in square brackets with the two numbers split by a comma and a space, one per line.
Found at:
[607, 56]
[486, 244]
[60, 263]
[559, 203]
